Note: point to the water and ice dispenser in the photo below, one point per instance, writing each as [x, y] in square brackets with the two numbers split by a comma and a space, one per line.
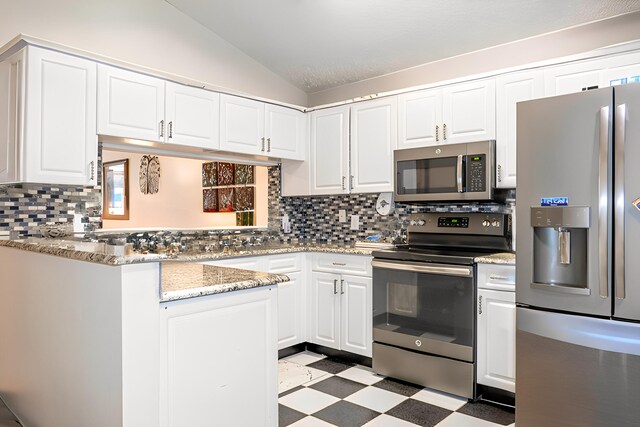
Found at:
[560, 248]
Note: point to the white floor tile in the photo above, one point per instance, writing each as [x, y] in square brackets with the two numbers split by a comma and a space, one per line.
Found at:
[304, 358]
[443, 400]
[311, 422]
[376, 398]
[308, 400]
[361, 374]
[461, 420]
[292, 375]
[385, 420]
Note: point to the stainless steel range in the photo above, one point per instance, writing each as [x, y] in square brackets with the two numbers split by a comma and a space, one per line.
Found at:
[424, 294]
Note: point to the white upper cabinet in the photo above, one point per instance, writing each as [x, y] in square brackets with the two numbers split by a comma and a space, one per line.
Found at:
[285, 131]
[419, 118]
[373, 139]
[242, 125]
[469, 112]
[511, 89]
[192, 116]
[48, 118]
[253, 127]
[572, 78]
[329, 154]
[621, 69]
[130, 105]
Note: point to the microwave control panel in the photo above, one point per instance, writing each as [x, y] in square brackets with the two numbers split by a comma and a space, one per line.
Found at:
[476, 165]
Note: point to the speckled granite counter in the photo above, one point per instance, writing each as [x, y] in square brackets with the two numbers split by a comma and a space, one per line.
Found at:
[180, 280]
[499, 258]
[102, 253]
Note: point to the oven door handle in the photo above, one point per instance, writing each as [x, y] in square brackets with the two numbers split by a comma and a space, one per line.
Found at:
[443, 269]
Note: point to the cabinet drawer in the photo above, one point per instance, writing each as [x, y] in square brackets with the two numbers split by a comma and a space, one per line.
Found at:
[359, 265]
[283, 263]
[497, 276]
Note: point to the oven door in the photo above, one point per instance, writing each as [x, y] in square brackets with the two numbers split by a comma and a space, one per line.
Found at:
[425, 307]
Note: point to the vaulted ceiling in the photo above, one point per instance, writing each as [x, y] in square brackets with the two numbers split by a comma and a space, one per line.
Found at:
[321, 44]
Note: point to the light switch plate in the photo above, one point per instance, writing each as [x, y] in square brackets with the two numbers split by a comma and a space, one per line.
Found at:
[342, 215]
[355, 222]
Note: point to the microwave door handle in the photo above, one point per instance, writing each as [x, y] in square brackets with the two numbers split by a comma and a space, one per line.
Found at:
[459, 173]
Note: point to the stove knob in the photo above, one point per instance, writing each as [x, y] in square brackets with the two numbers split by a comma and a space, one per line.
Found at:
[413, 222]
[486, 223]
[421, 222]
[496, 223]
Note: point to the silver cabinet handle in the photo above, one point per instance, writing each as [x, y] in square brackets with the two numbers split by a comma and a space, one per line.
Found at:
[170, 129]
[339, 263]
[499, 173]
[262, 149]
[268, 145]
[479, 304]
[92, 170]
[496, 277]
[620, 128]
[603, 205]
[341, 287]
[444, 131]
[437, 132]
[419, 267]
[459, 173]
[335, 286]
[161, 128]
[343, 178]
[351, 182]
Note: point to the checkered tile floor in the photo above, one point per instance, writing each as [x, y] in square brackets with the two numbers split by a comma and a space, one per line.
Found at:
[320, 391]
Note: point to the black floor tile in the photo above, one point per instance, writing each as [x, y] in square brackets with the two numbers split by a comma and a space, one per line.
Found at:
[287, 416]
[331, 365]
[487, 412]
[397, 386]
[284, 393]
[346, 414]
[420, 413]
[338, 387]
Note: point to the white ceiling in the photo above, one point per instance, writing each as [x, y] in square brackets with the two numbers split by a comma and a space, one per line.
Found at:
[320, 44]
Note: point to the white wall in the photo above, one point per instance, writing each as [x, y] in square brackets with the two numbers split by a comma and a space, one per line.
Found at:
[178, 203]
[561, 43]
[150, 33]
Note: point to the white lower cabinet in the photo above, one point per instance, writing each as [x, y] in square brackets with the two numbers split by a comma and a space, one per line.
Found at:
[341, 308]
[217, 354]
[496, 316]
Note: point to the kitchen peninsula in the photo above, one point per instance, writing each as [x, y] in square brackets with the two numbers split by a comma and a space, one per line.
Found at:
[93, 338]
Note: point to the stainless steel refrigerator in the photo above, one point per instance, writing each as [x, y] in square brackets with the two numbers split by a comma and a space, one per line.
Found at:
[578, 260]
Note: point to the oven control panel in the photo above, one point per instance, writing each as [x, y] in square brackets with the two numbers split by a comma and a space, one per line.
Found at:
[460, 223]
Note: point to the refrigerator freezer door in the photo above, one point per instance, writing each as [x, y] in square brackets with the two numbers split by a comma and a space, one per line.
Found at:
[627, 191]
[576, 371]
[564, 151]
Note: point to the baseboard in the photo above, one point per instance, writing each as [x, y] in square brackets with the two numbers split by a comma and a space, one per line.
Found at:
[496, 396]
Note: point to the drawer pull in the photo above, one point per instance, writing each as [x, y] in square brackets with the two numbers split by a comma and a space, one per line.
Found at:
[342, 264]
[497, 277]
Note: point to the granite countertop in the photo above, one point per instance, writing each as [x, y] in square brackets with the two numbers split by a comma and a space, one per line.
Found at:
[180, 280]
[499, 258]
[102, 253]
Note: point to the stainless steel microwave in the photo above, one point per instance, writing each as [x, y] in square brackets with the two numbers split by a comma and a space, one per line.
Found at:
[445, 172]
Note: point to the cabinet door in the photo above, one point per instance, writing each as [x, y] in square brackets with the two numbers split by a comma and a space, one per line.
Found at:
[420, 118]
[511, 89]
[130, 105]
[325, 309]
[373, 139]
[285, 130]
[60, 141]
[12, 72]
[242, 125]
[621, 69]
[356, 314]
[291, 311]
[572, 78]
[330, 151]
[496, 339]
[469, 112]
[218, 355]
[193, 116]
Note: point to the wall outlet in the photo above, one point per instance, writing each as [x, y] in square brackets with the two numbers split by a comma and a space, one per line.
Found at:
[355, 222]
[342, 215]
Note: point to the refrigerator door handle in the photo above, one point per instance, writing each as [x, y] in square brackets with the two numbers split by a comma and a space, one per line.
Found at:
[603, 205]
[620, 127]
